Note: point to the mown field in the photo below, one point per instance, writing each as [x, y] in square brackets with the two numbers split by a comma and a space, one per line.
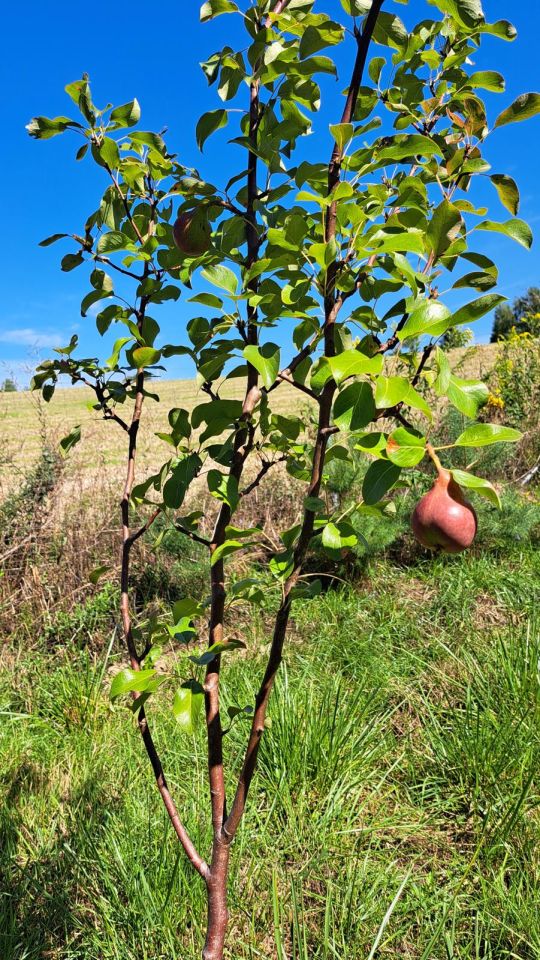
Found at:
[395, 813]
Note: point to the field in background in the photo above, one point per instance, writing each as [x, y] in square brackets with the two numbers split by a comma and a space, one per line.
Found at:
[25, 419]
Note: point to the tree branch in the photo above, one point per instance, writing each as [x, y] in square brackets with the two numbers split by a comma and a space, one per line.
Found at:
[266, 466]
[325, 407]
[127, 542]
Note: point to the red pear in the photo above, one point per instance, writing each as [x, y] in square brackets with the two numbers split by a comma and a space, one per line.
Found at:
[192, 233]
[444, 518]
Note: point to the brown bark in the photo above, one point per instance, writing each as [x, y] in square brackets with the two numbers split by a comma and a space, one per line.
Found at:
[243, 444]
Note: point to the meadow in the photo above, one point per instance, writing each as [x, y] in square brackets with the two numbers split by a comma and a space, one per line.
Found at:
[395, 812]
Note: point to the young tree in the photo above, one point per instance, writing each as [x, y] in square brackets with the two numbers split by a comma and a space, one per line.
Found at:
[347, 255]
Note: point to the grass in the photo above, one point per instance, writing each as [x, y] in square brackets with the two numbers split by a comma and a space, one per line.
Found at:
[395, 811]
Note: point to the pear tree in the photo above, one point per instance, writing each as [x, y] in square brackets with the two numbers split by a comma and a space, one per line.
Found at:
[342, 258]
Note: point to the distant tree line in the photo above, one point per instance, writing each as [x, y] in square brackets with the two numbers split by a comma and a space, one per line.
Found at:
[522, 314]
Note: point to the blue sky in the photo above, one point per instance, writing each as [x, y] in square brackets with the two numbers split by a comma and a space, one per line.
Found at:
[130, 50]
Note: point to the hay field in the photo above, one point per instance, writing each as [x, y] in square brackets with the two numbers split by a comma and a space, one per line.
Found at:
[25, 421]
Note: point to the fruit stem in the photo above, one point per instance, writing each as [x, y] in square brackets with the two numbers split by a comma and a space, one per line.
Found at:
[431, 453]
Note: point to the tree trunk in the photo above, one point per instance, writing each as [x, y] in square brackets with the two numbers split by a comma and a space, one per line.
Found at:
[216, 889]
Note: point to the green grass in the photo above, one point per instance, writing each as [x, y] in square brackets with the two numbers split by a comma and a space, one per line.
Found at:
[394, 813]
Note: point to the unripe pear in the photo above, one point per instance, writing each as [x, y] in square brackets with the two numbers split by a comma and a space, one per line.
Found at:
[444, 518]
[192, 233]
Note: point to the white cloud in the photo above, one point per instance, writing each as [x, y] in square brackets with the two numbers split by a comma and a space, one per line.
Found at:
[29, 337]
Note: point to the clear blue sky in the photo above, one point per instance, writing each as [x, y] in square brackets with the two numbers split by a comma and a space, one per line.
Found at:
[135, 49]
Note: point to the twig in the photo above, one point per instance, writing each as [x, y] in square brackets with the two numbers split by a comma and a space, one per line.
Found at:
[266, 466]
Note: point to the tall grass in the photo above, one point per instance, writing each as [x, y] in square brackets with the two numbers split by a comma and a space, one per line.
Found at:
[395, 811]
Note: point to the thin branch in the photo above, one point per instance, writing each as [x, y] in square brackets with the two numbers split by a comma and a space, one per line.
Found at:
[266, 466]
[302, 355]
[127, 542]
[146, 526]
[192, 535]
[115, 266]
[426, 353]
[299, 386]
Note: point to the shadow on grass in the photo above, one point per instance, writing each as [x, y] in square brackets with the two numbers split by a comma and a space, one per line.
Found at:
[41, 900]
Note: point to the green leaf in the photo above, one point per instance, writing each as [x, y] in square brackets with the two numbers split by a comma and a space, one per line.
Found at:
[502, 29]
[525, 106]
[208, 300]
[487, 80]
[43, 128]
[315, 38]
[224, 487]
[443, 228]
[48, 240]
[483, 434]
[478, 484]
[126, 115]
[127, 680]
[427, 316]
[390, 391]
[508, 191]
[179, 422]
[117, 347]
[404, 241]
[176, 486]
[380, 477]
[468, 13]
[71, 261]
[356, 8]
[467, 396]
[208, 124]
[187, 705]
[352, 363]
[404, 448]
[213, 8]
[114, 241]
[265, 359]
[373, 442]
[226, 412]
[221, 277]
[145, 357]
[224, 646]
[107, 154]
[67, 443]
[226, 549]
[476, 309]
[149, 139]
[342, 133]
[98, 572]
[339, 536]
[390, 31]
[354, 407]
[405, 146]
[516, 229]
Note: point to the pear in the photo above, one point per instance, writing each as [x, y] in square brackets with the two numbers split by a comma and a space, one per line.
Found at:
[192, 234]
[444, 518]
